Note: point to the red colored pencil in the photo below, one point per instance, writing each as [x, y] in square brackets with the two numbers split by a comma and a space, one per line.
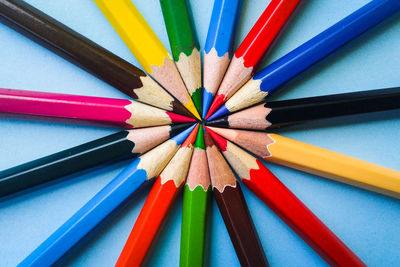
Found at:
[121, 112]
[286, 205]
[253, 48]
[155, 211]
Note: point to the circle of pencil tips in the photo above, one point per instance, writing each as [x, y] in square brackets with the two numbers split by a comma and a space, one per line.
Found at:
[191, 135]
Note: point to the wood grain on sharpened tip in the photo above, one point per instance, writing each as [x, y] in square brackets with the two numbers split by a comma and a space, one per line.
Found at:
[253, 48]
[233, 208]
[146, 47]
[157, 207]
[86, 54]
[316, 160]
[219, 45]
[286, 205]
[184, 46]
[272, 77]
[121, 112]
[111, 148]
[130, 181]
[196, 198]
[275, 114]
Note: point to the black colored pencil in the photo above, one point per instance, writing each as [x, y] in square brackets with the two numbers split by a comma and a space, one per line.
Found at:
[118, 146]
[276, 114]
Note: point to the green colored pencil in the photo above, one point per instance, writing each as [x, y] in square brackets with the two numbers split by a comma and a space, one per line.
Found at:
[196, 196]
[184, 46]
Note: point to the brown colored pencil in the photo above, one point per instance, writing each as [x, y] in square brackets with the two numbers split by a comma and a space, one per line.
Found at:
[233, 208]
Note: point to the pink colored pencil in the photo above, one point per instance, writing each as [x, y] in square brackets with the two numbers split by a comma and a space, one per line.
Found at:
[121, 112]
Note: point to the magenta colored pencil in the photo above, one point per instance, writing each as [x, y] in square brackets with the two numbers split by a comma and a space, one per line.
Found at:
[121, 112]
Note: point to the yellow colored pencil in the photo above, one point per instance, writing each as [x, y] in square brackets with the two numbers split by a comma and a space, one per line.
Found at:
[316, 160]
[146, 47]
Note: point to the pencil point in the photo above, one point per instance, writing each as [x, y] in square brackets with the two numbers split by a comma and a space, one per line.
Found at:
[220, 141]
[178, 128]
[192, 137]
[180, 138]
[220, 112]
[192, 108]
[200, 138]
[207, 100]
[197, 100]
[221, 122]
[176, 118]
[218, 101]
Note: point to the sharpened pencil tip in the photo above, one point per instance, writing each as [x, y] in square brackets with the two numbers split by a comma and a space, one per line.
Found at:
[218, 101]
[220, 112]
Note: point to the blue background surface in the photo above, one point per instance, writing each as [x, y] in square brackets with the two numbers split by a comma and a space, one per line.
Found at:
[367, 222]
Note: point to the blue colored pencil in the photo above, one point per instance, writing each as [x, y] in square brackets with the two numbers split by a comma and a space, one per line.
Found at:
[219, 46]
[141, 171]
[287, 67]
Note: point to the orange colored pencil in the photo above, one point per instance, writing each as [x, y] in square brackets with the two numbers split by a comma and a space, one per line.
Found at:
[157, 207]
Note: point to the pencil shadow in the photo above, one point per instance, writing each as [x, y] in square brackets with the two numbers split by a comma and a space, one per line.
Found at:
[210, 218]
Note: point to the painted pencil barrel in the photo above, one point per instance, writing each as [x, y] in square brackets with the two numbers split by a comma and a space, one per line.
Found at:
[88, 217]
[194, 224]
[149, 224]
[329, 164]
[107, 149]
[236, 215]
[293, 111]
[302, 220]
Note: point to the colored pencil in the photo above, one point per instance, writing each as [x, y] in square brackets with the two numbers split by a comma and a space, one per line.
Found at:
[277, 114]
[157, 207]
[140, 172]
[253, 48]
[196, 198]
[146, 47]
[233, 208]
[121, 112]
[184, 46]
[316, 160]
[119, 146]
[269, 79]
[86, 54]
[219, 45]
[286, 205]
